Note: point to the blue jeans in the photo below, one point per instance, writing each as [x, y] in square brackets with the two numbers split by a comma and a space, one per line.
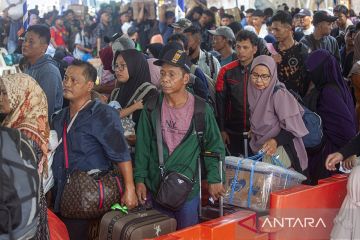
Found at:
[186, 216]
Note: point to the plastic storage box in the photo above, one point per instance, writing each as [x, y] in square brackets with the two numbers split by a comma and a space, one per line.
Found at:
[249, 183]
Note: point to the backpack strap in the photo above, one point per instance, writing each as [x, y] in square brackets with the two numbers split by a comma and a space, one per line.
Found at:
[193, 69]
[199, 121]
[141, 92]
[276, 88]
[114, 94]
[210, 62]
[151, 105]
[199, 116]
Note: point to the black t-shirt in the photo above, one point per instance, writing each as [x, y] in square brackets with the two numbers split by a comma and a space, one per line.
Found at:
[292, 70]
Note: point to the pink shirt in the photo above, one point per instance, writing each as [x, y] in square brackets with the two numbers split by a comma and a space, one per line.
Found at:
[175, 122]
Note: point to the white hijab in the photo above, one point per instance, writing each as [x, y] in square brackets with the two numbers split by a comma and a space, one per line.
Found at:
[347, 222]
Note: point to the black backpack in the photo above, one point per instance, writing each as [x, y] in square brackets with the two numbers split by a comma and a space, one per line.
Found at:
[199, 114]
[19, 186]
[199, 122]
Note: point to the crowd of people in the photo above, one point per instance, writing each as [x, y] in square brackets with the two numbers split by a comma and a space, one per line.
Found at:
[108, 83]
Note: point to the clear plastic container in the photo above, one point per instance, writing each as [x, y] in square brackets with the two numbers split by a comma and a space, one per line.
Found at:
[255, 181]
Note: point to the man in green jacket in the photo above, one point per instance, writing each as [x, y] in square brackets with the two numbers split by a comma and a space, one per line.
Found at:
[181, 147]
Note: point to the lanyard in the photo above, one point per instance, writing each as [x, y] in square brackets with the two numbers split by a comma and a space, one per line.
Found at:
[66, 129]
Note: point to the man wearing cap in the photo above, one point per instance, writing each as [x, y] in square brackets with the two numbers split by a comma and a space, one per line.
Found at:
[258, 23]
[342, 23]
[321, 38]
[306, 26]
[223, 40]
[181, 148]
[181, 25]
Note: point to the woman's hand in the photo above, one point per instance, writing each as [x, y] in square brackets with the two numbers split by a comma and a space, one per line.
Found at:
[349, 163]
[270, 147]
[332, 160]
[138, 104]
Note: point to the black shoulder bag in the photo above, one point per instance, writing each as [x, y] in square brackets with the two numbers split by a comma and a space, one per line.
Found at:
[174, 187]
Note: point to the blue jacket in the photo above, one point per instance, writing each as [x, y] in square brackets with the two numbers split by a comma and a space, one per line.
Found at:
[46, 72]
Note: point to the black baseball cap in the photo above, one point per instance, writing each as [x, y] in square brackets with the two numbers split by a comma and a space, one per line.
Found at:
[323, 16]
[177, 58]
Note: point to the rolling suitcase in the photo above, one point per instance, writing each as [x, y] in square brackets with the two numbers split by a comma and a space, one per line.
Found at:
[135, 225]
[207, 212]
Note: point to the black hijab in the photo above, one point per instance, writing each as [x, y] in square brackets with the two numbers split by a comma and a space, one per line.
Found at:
[139, 73]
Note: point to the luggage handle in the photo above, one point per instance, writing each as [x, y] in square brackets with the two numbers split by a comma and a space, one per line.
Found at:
[221, 199]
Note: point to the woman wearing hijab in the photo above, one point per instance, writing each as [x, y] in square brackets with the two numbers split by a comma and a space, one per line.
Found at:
[334, 105]
[23, 106]
[27, 112]
[275, 116]
[131, 71]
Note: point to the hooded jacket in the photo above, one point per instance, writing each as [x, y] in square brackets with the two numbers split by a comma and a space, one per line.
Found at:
[46, 72]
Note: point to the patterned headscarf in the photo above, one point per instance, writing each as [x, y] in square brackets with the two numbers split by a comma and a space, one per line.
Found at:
[28, 111]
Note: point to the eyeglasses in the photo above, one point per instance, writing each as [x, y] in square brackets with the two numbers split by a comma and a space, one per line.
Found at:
[119, 67]
[263, 77]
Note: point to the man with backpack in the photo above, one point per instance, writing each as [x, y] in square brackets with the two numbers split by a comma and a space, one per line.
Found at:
[320, 38]
[205, 60]
[184, 126]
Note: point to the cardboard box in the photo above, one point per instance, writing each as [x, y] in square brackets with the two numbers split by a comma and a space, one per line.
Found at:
[149, 6]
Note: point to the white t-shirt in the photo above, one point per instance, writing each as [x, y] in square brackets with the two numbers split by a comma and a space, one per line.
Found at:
[306, 32]
[263, 31]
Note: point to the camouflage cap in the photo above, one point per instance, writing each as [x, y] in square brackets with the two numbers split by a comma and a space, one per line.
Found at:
[182, 23]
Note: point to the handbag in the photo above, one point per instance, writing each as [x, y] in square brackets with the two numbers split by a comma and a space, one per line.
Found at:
[174, 187]
[88, 195]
